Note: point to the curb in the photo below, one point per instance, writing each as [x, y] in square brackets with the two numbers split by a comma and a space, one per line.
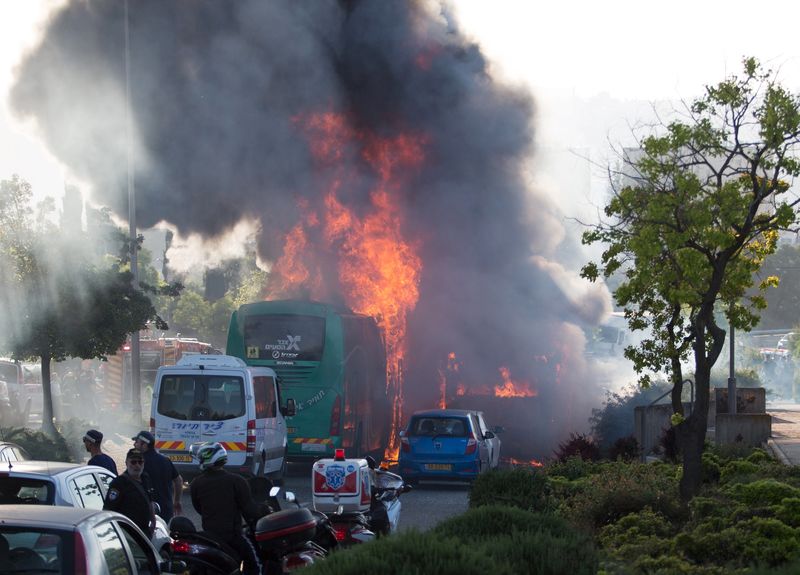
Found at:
[776, 450]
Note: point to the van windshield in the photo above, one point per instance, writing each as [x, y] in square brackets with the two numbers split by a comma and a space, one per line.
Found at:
[201, 397]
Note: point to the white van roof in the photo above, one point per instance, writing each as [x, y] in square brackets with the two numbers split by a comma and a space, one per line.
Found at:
[210, 361]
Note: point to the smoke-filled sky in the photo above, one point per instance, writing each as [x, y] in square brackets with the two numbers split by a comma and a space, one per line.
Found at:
[231, 102]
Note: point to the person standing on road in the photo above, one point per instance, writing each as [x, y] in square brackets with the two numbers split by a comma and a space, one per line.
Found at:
[91, 441]
[167, 482]
[222, 498]
[129, 493]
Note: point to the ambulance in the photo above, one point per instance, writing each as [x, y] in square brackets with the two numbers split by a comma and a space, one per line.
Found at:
[219, 398]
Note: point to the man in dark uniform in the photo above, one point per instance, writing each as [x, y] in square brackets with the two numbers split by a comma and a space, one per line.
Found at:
[91, 441]
[167, 482]
[129, 493]
[222, 498]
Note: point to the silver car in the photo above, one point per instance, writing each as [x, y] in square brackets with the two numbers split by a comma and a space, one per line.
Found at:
[12, 452]
[66, 540]
[63, 484]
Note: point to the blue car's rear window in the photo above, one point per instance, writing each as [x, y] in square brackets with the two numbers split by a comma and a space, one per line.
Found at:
[439, 426]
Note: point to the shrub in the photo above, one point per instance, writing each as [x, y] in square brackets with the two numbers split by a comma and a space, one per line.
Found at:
[542, 553]
[579, 445]
[711, 468]
[625, 448]
[411, 552]
[788, 511]
[479, 523]
[572, 468]
[738, 471]
[636, 535]
[39, 445]
[519, 487]
[762, 492]
[754, 541]
[529, 542]
[759, 456]
[619, 489]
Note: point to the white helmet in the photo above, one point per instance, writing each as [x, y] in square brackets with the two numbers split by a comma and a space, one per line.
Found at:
[211, 455]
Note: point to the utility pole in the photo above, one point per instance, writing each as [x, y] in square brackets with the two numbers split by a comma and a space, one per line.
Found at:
[731, 371]
[136, 386]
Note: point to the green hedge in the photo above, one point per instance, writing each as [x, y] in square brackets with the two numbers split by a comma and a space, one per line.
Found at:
[519, 487]
[488, 539]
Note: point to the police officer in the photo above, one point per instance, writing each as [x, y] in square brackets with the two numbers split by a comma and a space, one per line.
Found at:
[130, 493]
[221, 499]
[167, 482]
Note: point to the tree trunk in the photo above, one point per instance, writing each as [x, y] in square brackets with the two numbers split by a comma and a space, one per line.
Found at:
[48, 427]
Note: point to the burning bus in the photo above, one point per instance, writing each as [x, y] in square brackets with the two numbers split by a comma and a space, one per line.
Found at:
[332, 362]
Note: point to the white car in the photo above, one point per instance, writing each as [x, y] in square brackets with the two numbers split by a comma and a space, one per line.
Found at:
[788, 341]
[63, 484]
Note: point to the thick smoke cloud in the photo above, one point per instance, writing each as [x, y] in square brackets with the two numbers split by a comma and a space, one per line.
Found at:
[216, 90]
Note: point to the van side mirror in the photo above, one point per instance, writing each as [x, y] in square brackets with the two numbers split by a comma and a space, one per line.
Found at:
[290, 409]
[488, 435]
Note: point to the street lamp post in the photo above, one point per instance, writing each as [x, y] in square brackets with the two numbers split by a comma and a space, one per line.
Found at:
[732, 372]
[135, 357]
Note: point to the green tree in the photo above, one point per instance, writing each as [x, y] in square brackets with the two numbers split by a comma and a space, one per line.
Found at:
[700, 210]
[56, 303]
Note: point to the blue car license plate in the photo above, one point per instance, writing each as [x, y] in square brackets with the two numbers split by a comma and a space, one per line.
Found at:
[438, 467]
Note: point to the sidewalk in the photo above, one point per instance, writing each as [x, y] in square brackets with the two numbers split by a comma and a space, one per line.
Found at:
[785, 440]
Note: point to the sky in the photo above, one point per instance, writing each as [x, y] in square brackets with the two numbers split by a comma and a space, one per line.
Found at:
[592, 66]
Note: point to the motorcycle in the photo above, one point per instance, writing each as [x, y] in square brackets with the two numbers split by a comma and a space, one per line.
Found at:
[284, 540]
[383, 516]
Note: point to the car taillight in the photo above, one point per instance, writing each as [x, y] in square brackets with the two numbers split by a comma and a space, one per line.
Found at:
[152, 426]
[251, 436]
[336, 413]
[181, 547]
[472, 445]
[405, 445]
[80, 566]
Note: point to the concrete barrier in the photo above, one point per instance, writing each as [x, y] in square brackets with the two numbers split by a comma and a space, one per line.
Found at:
[748, 400]
[650, 422]
[751, 429]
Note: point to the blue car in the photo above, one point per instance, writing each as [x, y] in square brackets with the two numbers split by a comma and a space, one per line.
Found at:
[444, 444]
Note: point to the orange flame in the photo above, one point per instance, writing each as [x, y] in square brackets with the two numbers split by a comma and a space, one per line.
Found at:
[511, 389]
[531, 463]
[378, 268]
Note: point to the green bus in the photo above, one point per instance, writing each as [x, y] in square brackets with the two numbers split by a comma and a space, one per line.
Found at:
[332, 362]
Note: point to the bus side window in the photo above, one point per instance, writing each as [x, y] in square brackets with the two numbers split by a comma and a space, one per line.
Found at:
[266, 405]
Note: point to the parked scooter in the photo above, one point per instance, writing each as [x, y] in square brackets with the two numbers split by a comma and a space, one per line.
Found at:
[361, 500]
[283, 538]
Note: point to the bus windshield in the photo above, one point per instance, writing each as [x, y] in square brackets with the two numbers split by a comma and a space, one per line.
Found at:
[284, 337]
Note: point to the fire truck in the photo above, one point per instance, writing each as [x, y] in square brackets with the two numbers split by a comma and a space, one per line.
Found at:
[153, 353]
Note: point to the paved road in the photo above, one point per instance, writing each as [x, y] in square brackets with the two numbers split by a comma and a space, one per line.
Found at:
[423, 507]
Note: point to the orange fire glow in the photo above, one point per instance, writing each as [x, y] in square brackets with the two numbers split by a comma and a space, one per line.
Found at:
[511, 389]
[531, 463]
[378, 268]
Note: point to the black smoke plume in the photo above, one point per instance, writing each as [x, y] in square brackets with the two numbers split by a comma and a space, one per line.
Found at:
[216, 90]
